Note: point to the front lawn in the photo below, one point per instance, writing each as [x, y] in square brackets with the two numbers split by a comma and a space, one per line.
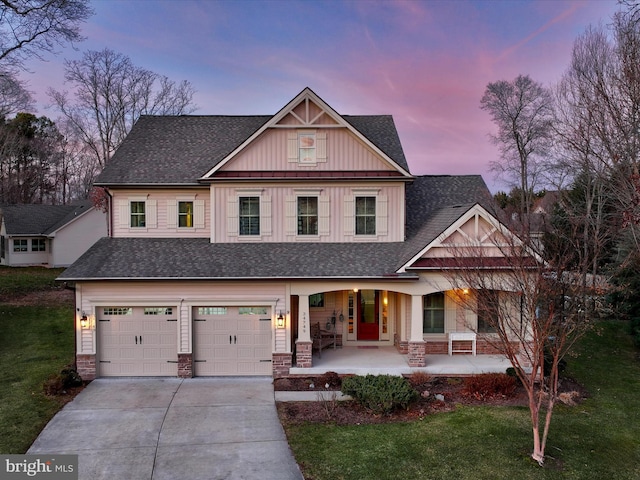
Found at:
[599, 438]
[36, 342]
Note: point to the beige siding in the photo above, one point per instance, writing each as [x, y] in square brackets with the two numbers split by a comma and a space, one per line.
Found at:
[182, 296]
[336, 206]
[161, 211]
[270, 152]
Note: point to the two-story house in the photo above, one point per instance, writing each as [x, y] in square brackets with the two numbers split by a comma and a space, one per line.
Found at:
[233, 235]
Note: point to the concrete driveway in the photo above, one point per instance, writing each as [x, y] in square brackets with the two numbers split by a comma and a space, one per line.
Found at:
[173, 429]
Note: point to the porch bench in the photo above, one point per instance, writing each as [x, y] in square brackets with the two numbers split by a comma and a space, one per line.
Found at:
[321, 339]
[462, 337]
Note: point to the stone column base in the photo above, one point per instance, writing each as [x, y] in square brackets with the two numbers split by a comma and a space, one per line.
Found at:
[86, 366]
[185, 365]
[304, 352]
[281, 363]
[417, 356]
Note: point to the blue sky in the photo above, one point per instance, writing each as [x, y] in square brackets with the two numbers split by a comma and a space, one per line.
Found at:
[427, 63]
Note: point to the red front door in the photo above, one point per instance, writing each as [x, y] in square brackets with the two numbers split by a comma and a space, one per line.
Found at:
[368, 315]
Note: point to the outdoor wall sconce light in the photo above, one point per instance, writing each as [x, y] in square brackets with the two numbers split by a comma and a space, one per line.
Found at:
[280, 321]
[84, 322]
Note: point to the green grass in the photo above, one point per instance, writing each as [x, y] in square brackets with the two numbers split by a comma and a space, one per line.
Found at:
[21, 280]
[36, 342]
[599, 438]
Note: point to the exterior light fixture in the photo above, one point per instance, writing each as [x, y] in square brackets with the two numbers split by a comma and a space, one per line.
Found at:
[84, 322]
[280, 321]
[465, 291]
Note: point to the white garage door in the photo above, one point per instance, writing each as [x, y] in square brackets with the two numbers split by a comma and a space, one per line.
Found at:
[137, 341]
[232, 340]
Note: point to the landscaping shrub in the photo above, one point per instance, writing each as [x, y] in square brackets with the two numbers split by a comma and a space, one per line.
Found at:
[58, 384]
[420, 379]
[332, 379]
[380, 393]
[489, 385]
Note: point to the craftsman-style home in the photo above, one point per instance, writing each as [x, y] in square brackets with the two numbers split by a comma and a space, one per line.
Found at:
[243, 245]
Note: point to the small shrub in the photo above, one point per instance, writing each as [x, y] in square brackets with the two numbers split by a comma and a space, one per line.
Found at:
[489, 385]
[330, 378]
[420, 379]
[59, 383]
[380, 393]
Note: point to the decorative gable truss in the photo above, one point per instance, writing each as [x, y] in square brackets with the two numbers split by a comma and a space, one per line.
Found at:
[306, 123]
[476, 236]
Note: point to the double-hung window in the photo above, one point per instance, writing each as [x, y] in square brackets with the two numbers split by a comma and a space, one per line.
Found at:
[185, 214]
[365, 215]
[433, 318]
[487, 311]
[38, 245]
[249, 215]
[138, 219]
[20, 245]
[307, 215]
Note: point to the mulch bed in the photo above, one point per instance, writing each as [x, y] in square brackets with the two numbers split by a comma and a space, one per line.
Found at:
[351, 413]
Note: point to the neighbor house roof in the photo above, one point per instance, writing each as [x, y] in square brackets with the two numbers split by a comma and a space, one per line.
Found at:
[40, 220]
[157, 145]
[432, 206]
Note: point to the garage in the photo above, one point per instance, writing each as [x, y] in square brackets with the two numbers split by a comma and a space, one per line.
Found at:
[137, 341]
[232, 340]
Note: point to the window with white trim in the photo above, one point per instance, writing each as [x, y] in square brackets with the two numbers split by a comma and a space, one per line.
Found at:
[365, 215]
[20, 245]
[307, 147]
[307, 215]
[249, 215]
[38, 244]
[433, 313]
[185, 214]
[137, 214]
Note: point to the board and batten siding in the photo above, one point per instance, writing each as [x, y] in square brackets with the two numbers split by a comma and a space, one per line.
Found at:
[336, 212]
[344, 152]
[180, 295]
[161, 213]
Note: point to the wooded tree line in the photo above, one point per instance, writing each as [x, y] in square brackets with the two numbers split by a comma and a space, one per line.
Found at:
[43, 160]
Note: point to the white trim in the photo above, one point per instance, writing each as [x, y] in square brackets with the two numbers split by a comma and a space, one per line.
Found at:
[475, 210]
[306, 95]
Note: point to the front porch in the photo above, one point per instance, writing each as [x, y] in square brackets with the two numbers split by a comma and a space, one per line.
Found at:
[386, 360]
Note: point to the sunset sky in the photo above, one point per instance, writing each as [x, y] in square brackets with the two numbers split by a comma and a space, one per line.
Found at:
[427, 63]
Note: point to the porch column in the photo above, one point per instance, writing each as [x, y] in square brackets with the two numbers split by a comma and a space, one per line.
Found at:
[416, 338]
[303, 342]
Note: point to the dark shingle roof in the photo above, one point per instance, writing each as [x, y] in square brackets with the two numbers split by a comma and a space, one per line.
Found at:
[176, 149]
[197, 258]
[181, 149]
[40, 219]
[433, 204]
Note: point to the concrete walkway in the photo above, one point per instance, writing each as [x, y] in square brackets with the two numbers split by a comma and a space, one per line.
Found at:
[173, 429]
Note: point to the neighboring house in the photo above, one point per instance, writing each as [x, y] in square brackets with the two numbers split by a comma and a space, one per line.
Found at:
[49, 235]
[233, 235]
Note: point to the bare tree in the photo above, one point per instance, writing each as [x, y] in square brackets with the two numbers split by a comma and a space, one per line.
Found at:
[14, 97]
[530, 310]
[30, 27]
[110, 95]
[523, 112]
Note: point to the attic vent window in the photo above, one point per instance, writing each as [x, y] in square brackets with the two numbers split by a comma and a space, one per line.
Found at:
[307, 147]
